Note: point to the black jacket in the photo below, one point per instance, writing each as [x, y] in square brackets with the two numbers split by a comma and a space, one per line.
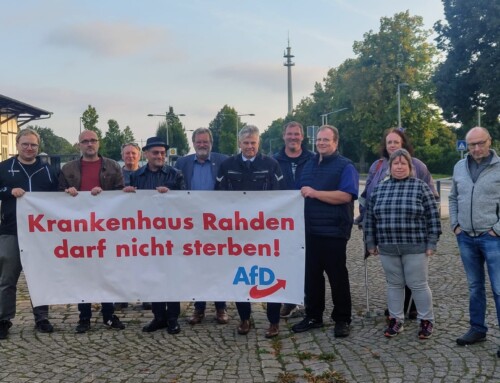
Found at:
[167, 176]
[38, 177]
[264, 173]
[290, 178]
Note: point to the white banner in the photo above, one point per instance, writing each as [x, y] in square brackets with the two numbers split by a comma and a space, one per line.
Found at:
[152, 247]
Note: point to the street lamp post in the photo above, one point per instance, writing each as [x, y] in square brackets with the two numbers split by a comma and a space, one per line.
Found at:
[237, 128]
[166, 119]
[399, 102]
[324, 117]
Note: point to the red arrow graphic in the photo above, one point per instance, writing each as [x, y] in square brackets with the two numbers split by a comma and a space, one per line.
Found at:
[255, 293]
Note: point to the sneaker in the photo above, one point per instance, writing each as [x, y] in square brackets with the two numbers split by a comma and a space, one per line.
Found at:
[114, 322]
[307, 324]
[4, 328]
[425, 331]
[83, 326]
[173, 326]
[341, 329]
[471, 337]
[44, 326]
[287, 310]
[155, 324]
[394, 328]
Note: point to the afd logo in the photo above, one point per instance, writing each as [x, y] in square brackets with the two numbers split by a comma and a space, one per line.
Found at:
[257, 277]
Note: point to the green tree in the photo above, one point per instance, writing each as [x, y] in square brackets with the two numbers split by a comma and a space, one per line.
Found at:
[271, 141]
[112, 142]
[175, 131]
[469, 78]
[90, 119]
[53, 144]
[224, 127]
[128, 136]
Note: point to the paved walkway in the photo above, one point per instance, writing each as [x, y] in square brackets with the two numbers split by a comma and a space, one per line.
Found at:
[216, 353]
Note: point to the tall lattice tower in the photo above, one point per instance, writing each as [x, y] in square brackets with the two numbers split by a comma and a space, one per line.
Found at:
[289, 64]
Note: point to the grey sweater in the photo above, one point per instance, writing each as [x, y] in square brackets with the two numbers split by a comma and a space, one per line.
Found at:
[475, 207]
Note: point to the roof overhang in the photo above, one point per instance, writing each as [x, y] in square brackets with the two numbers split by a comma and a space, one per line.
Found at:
[23, 112]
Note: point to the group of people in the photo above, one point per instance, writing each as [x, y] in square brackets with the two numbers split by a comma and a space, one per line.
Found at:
[398, 213]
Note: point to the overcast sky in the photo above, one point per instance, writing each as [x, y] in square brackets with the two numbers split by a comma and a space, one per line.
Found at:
[130, 58]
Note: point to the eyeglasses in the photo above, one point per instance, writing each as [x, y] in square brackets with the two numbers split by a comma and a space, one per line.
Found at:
[479, 144]
[131, 144]
[158, 152]
[93, 141]
[26, 145]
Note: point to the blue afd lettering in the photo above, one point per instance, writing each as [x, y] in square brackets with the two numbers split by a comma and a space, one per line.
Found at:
[262, 276]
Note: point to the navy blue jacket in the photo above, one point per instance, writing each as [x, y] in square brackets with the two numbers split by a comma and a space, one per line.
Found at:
[39, 177]
[321, 218]
[264, 173]
[186, 164]
[291, 181]
[167, 176]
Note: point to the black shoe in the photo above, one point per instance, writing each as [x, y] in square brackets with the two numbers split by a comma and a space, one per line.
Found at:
[173, 327]
[44, 326]
[83, 326]
[471, 337]
[307, 324]
[342, 329]
[114, 322]
[4, 328]
[155, 324]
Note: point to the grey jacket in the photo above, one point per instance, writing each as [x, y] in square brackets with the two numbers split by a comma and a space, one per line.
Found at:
[475, 206]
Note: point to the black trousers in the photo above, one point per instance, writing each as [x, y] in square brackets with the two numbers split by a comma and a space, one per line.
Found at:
[166, 310]
[327, 255]
[273, 311]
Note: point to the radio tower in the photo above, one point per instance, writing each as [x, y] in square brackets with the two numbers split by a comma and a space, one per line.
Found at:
[289, 64]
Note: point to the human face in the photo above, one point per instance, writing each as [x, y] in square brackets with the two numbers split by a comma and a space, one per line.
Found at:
[478, 143]
[249, 146]
[156, 157]
[202, 145]
[293, 138]
[89, 145]
[27, 148]
[400, 168]
[325, 143]
[393, 142]
[130, 156]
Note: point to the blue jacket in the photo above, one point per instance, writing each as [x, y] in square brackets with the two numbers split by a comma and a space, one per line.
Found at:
[291, 180]
[321, 218]
[167, 176]
[186, 165]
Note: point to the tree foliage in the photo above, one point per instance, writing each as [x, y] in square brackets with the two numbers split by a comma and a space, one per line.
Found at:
[176, 134]
[224, 129]
[90, 119]
[52, 144]
[469, 78]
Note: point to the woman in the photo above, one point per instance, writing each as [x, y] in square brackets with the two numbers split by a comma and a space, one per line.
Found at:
[403, 226]
[393, 140]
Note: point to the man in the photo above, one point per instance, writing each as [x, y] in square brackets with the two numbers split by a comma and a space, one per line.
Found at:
[93, 173]
[329, 184]
[474, 217]
[250, 170]
[156, 174]
[131, 153]
[200, 171]
[18, 175]
[292, 159]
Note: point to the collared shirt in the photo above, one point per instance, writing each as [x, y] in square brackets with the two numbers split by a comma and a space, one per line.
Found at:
[476, 168]
[202, 178]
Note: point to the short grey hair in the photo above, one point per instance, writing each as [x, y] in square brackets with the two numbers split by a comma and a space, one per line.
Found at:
[401, 153]
[248, 130]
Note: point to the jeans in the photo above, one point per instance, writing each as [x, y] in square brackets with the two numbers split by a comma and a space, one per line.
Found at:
[201, 306]
[10, 269]
[412, 270]
[475, 252]
[107, 310]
